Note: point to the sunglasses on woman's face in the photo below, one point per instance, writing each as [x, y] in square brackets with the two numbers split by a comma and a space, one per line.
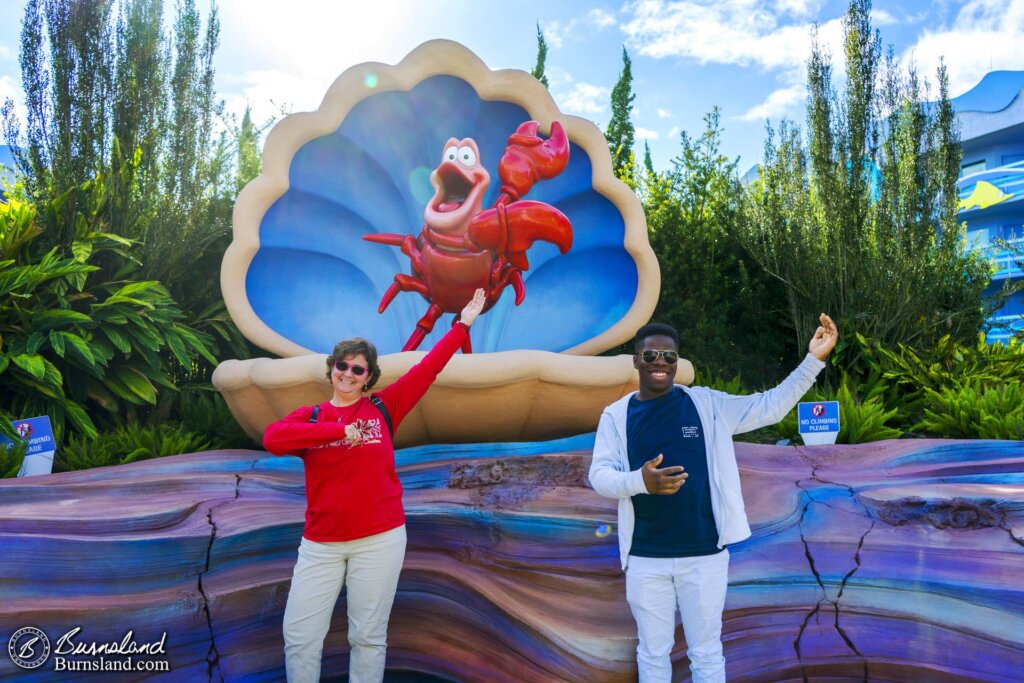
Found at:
[343, 365]
[651, 355]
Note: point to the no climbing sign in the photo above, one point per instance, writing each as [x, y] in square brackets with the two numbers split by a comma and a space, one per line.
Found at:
[818, 422]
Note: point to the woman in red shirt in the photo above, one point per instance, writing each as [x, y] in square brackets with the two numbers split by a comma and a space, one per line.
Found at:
[355, 525]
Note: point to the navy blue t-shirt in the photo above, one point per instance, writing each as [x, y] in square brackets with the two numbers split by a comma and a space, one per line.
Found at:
[682, 524]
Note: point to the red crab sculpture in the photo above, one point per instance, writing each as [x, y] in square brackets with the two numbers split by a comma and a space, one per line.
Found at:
[463, 247]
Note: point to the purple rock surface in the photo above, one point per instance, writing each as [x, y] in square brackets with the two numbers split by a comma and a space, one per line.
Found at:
[893, 561]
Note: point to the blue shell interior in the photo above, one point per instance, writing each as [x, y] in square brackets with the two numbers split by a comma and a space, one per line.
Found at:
[315, 281]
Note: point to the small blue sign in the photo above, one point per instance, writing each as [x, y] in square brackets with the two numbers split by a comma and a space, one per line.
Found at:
[39, 435]
[818, 422]
[819, 416]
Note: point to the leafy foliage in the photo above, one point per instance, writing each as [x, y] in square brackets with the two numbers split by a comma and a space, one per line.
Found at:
[204, 412]
[542, 56]
[78, 339]
[95, 85]
[861, 222]
[128, 443]
[620, 132]
[975, 412]
[910, 374]
[711, 290]
[11, 458]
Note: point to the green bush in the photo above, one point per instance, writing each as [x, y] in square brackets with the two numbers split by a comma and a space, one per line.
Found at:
[79, 338]
[902, 378]
[129, 443]
[732, 385]
[11, 458]
[972, 412]
[203, 411]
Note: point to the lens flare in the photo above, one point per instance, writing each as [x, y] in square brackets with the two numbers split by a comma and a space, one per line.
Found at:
[603, 530]
[370, 80]
[419, 185]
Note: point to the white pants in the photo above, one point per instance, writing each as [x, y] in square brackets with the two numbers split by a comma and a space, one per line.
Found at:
[370, 567]
[654, 586]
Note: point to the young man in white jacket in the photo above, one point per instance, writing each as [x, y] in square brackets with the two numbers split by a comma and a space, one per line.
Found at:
[672, 539]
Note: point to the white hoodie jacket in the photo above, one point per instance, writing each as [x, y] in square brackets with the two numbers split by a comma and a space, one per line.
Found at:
[721, 415]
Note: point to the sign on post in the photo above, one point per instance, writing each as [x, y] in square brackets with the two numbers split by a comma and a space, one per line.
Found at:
[818, 422]
[41, 446]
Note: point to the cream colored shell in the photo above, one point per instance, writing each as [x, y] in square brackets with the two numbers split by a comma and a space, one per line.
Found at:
[487, 397]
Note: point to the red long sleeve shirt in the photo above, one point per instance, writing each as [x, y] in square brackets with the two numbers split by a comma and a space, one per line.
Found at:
[352, 489]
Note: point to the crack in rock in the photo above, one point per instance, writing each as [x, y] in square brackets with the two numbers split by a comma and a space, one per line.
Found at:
[1004, 525]
[810, 499]
[213, 655]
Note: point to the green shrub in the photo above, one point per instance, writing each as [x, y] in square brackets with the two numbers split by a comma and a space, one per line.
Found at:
[902, 378]
[970, 412]
[129, 443]
[79, 338]
[11, 458]
[732, 385]
[203, 411]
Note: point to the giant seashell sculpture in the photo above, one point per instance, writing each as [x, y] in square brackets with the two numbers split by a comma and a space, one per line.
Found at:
[298, 276]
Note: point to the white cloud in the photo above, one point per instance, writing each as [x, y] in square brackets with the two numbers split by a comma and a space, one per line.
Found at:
[270, 91]
[674, 131]
[6, 52]
[584, 99]
[799, 8]
[778, 104]
[556, 32]
[879, 17]
[645, 133]
[740, 32]
[986, 35]
[601, 18]
[557, 77]
[664, 113]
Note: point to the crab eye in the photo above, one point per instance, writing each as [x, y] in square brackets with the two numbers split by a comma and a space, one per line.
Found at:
[467, 157]
[450, 154]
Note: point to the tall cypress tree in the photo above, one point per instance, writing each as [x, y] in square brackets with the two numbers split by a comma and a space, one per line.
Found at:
[248, 151]
[862, 221]
[648, 164]
[131, 100]
[620, 132]
[542, 55]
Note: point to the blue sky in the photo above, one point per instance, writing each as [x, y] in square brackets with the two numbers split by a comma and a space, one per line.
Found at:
[745, 56]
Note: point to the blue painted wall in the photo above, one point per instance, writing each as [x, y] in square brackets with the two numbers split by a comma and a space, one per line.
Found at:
[316, 281]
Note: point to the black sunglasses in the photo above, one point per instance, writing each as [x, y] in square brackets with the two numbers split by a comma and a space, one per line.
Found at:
[651, 355]
[343, 365]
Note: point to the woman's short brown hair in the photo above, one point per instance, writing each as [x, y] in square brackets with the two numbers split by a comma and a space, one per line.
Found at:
[354, 347]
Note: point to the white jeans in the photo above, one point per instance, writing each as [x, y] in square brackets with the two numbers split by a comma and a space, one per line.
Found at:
[654, 586]
[370, 567]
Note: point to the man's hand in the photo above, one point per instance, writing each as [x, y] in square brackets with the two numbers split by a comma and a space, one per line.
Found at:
[824, 339]
[665, 481]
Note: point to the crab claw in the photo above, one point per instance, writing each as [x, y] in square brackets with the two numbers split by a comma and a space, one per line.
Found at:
[511, 230]
[528, 158]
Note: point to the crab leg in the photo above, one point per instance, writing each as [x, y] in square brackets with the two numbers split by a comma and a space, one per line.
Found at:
[423, 327]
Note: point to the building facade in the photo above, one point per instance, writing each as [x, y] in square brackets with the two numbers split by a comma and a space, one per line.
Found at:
[991, 185]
